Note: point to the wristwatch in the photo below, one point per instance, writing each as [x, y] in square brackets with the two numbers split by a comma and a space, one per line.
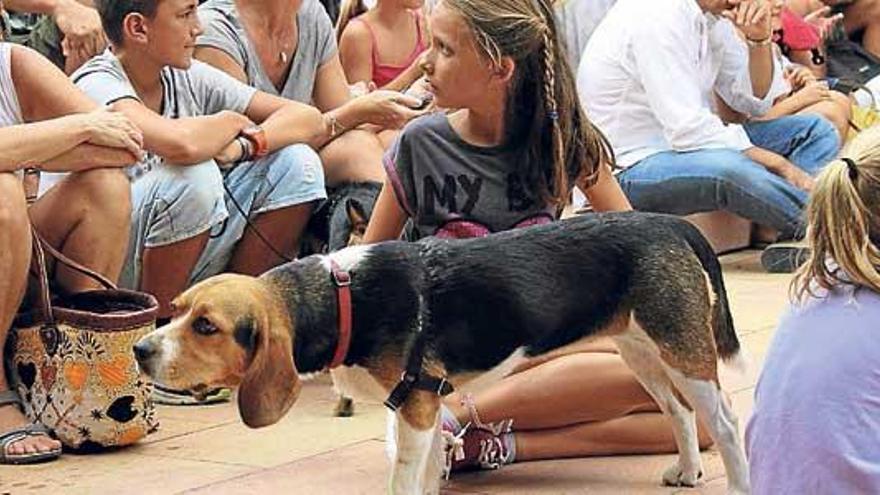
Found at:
[257, 137]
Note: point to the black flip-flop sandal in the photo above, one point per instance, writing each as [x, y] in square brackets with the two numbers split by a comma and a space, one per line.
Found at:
[11, 398]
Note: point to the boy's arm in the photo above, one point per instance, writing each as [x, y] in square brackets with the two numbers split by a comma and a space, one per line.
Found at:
[287, 122]
[184, 141]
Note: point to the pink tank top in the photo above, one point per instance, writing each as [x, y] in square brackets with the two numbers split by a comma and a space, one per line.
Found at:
[384, 74]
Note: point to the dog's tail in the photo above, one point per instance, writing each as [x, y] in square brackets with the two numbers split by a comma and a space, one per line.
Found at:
[726, 341]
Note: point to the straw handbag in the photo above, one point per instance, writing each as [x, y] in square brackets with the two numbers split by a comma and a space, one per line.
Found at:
[71, 360]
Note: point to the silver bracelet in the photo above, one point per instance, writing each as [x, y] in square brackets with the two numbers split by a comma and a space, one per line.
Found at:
[333, 123]
[247, 149]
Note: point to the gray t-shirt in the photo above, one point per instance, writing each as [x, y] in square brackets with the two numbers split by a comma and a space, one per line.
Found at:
[198, 91]
[439, 179]
[315, 47]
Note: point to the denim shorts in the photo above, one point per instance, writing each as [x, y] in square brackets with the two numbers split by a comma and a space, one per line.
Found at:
[172, 203]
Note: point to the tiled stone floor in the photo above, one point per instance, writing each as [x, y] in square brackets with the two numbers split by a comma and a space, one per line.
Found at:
[208, 451]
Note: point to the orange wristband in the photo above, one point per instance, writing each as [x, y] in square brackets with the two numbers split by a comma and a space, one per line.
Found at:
[257, 136]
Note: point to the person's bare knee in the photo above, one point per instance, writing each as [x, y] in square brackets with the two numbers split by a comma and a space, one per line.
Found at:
[87, 217]
[107, 190]
[355, 156]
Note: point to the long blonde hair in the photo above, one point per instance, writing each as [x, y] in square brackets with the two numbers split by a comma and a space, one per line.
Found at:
[843, 218]
[348, 11]
[543, 109]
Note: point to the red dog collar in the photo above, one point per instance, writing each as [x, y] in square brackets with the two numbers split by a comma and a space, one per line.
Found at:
[342, 281]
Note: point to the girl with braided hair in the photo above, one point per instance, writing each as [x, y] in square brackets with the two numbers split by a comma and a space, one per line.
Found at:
[509, 155]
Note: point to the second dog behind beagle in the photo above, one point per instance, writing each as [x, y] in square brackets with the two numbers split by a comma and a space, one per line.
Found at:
[426, 315]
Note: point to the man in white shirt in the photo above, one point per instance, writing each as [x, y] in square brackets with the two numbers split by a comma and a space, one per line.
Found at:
[648, 78]
[577, 19]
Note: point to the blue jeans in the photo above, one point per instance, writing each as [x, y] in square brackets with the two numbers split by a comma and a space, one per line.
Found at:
[682, 183]
[173, 203]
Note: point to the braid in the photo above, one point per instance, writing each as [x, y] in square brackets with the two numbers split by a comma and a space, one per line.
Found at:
[543, 110]
[560, 185]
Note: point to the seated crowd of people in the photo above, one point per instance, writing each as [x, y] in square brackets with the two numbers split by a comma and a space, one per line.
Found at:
[161, 142]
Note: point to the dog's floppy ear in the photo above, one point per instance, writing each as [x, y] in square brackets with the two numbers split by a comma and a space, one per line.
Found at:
[356, 213]
[271, 384]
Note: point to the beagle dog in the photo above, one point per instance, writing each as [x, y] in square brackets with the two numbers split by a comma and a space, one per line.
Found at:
[428, 316]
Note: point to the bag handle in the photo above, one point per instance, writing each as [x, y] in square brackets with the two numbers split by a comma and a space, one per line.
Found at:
[40, 245]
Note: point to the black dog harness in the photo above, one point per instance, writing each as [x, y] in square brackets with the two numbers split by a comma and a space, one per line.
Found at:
[413, 377]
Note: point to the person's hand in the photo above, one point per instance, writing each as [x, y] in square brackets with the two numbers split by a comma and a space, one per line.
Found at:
[798, 76]
[823, 21]
[388, 109]
[813, 93]
[231, 153]
[113, 130]
[361, 88]
[752, 19]
[419, 88]
[81, 26]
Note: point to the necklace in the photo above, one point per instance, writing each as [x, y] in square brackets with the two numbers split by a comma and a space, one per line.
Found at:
[285, 52]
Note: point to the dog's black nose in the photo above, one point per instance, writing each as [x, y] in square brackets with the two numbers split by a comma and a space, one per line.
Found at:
[143, 351]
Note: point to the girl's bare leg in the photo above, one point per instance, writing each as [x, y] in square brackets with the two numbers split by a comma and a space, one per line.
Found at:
[580, 404]
[639, 433]
[572, 389]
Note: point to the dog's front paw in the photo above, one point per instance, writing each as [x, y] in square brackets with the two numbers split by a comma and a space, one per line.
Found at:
[345, 407]
[677, 476]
